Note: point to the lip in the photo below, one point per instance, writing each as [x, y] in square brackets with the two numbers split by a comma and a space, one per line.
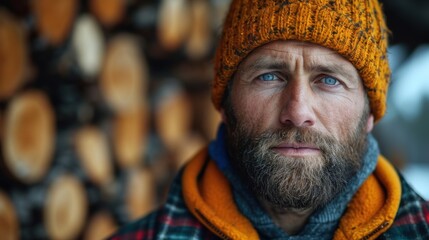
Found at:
[296, 149]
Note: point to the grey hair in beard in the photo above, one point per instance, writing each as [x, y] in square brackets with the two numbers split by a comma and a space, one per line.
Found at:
[292, 182]
[295, 182]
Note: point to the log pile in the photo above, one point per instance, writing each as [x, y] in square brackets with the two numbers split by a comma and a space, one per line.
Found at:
[101, 102]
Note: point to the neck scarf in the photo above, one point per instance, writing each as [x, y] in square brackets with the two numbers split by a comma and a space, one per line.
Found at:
[320, 225]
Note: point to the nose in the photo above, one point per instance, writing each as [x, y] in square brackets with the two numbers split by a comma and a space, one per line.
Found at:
[297, 105]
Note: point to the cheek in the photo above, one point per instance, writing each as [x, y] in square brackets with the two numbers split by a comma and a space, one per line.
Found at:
[341, 118]
[253, 111]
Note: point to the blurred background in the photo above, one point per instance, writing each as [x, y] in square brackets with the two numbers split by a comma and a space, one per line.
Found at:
[101, 101]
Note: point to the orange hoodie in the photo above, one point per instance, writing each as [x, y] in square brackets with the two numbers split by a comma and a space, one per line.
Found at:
[208, 196]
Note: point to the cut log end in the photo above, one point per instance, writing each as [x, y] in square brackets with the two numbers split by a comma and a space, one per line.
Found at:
[108, 12]
[13, 55]
[29, 136]
[140, 193]
[9, 225]
[93, 151]
[65, 208]
[124, 75]
[100, 226]
[173, 117]
[130, 136]
[54, 18]
[88, 43]
[173, 23]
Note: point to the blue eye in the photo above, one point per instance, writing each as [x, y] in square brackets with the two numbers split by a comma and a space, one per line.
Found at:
[268, 77]
[329, 81]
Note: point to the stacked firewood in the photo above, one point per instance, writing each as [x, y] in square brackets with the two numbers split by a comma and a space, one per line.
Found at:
[101, 103]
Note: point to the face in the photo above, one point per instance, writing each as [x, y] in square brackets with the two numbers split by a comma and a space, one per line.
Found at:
[297, 119]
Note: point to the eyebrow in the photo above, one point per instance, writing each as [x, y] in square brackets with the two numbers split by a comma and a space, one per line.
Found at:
[267, 63]
[332, 68]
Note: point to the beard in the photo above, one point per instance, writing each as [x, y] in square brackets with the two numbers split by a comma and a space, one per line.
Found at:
[299, 183]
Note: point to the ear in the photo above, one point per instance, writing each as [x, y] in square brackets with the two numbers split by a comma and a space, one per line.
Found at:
[370, 123]
[223, 116]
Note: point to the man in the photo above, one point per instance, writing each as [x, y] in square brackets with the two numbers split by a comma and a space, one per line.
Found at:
[299, 85]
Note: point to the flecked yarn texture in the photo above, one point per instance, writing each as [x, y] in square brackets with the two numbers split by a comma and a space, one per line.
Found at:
[356, 29]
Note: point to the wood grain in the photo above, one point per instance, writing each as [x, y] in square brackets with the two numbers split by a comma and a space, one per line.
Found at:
[13, 55]
[9, 225]
[65, 208]
[124, 74]
[29, 131]
[54, 18]
[93, 151]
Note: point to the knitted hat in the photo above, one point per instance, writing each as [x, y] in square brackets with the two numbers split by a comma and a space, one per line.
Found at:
[354, 28]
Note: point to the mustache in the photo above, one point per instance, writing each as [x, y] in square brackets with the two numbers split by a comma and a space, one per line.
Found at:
[295, 135]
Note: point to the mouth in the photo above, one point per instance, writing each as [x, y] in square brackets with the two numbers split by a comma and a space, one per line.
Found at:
[296, 149]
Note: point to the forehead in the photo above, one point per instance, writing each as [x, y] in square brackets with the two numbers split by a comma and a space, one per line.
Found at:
[313, 54]
[298, 47]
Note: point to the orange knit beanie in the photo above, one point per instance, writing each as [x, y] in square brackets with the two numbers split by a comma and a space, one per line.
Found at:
[354, 28]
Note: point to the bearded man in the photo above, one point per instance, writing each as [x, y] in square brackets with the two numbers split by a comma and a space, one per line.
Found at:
[300, 85]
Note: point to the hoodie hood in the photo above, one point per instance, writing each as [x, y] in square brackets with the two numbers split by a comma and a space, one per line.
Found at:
[209, 197]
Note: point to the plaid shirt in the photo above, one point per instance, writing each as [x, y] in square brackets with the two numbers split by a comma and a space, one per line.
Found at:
[412, 219]
[174, 221]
